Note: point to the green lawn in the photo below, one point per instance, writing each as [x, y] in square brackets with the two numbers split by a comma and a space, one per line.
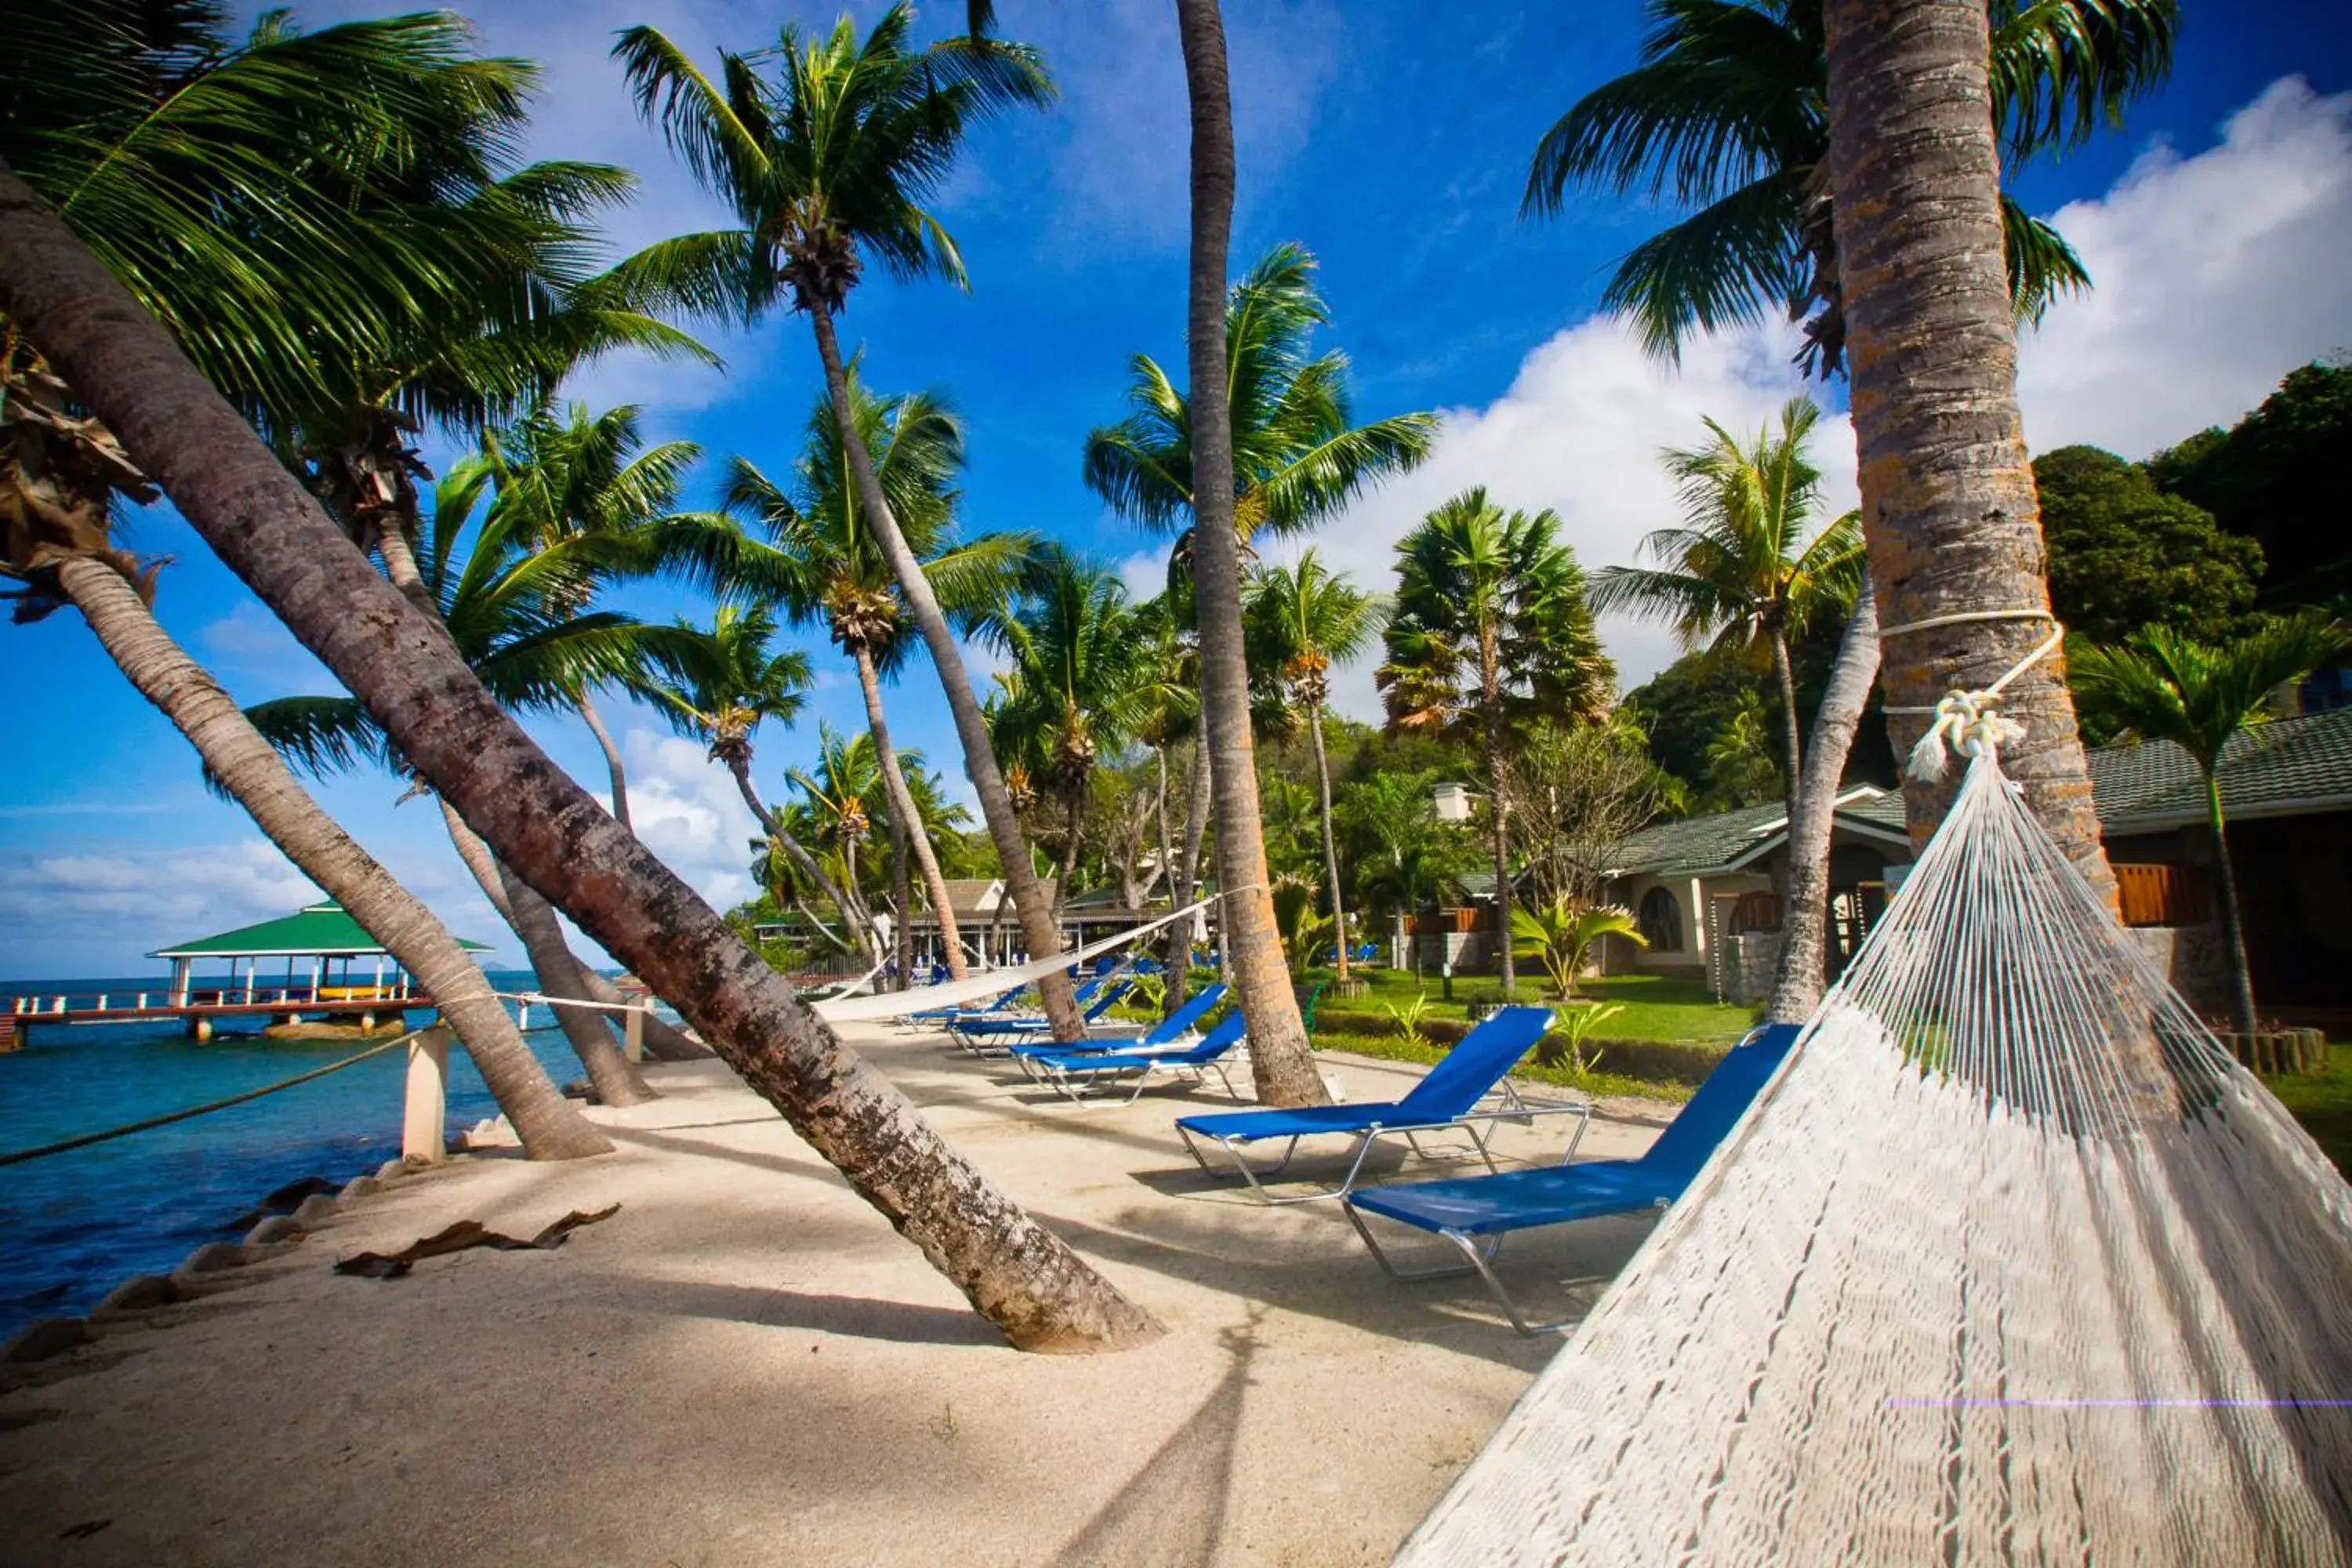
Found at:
[1656, 1007]
[2323, 1103]
[1396, 1048]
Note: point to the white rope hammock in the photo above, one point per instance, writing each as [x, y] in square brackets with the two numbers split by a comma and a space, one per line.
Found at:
[2010, 1264]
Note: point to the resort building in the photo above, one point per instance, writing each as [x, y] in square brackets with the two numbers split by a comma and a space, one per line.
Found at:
[1706, 890]
[991, 927]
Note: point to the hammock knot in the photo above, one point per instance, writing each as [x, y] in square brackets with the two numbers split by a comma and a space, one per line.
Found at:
[1966, 723]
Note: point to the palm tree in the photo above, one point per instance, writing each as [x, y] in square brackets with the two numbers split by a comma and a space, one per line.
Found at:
[734, 683]
[1299, 456]
[1405, 855]
[1728, 114]
[1491, 630]
[824, 567]
[2164, 686]
[1740, 573]
[150, 130]
[231, 489]
[1562, 934]
[590, 474]
[1079, 684]
[836, 801]
[828, 164]
[1306, 616]
[1951, 520]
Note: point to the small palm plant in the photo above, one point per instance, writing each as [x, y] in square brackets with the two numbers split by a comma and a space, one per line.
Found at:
[1407, 1015]
[1563, 934]
[2163, 686]
[1564, 1046]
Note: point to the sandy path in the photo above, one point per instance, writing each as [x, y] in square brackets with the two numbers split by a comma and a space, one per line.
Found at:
[745, 1365]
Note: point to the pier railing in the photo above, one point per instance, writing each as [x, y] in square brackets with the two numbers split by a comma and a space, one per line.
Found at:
[309, 998]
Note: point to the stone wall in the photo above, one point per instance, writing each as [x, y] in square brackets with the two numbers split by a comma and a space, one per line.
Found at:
[1745, 965]
[2194, 958]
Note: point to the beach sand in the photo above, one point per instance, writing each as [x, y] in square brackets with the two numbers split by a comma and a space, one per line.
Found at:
[747, 1365]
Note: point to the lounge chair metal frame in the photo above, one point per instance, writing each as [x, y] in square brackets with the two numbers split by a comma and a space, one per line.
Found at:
[1078, 1075]
[1479, 1255]
[1514, 1107]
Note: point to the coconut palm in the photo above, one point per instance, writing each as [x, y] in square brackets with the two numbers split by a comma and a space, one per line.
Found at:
[1491, 630]
[262, 198]
[1952, 523]
[1740, 575]
[1728, 114]
[720, 695]
[1306, 617]
[232, 489]
[2163, 686]
[827, 162]
[1299, 456]
[836, 801]
[1078, 686]
[824, 567]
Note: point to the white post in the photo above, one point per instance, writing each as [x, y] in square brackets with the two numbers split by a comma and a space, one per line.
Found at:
[632, 1033]
[421, 1133]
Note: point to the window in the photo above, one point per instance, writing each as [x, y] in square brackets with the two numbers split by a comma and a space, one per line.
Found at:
[1662, 920]
[1756, 913]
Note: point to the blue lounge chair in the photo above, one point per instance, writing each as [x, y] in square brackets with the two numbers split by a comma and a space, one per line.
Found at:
[1173, 1032]
[993, 1034]
[940, 1016]
[1475, 1213]
[1446, 1100]
[1079, 1074]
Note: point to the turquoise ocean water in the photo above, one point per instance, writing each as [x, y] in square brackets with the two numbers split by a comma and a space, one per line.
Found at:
[74, 1226]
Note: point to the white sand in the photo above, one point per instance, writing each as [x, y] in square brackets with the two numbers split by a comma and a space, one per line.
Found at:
[746, 1365]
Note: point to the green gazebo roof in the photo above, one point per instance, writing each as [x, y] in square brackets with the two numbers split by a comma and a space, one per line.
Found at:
[320, 929]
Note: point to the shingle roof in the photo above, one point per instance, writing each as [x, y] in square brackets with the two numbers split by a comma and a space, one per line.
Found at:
[2274, 769]
[1728, 838]
[2286, 766]
[317, 930]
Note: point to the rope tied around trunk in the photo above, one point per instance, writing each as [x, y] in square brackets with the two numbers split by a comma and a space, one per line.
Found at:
[1969, 723]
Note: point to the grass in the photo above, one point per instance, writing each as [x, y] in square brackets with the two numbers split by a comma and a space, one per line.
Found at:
[1656, 1006]
[1396, 1048]
[2323, 1103]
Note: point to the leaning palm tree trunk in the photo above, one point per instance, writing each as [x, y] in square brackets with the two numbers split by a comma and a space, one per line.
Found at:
[772, 825]
[1948, 507]
[596, 722]
[1490, 699]
[1804, 909]
[1280, 1060]
[904, 815]
[1330, 843]
[233, 491]
[1185, 886]
[550, 1127]
[559, 974]
[972, 726]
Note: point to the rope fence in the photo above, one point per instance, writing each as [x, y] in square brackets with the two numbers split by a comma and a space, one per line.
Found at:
[18, 1157]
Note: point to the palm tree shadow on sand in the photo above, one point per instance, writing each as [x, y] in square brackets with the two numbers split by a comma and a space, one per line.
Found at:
[1174, 1510]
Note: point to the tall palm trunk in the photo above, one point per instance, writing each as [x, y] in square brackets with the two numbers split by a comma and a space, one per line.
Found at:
[1490, 700]
[739, 769]
[902, 895]
[1948, 508]
[550, 1127]
[1072, 820]
[596, 722]
[2233, 922]
[1180, 933]
[1330, 840]
[972, 726]
[400, 566]
[232, 489]
[1172, 992]
[1791, 728]
[903, 814]
[1949, 513]
[557, 972]
[1280, 1059]
[1804, 917]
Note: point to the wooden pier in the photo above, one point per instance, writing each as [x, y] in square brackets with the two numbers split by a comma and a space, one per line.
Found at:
[199, 1010]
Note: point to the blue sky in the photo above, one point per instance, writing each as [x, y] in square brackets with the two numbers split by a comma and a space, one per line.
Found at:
[1392, 139]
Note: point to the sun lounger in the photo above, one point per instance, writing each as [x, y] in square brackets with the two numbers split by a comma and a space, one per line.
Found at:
[1475, 1213]
[993, 1034]
[937, 1016]
[1175, 1032]
[1079, 1074]
[1446, 1100]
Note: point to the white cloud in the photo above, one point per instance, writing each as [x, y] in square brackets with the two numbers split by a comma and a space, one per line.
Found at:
[170, 894]
[688, 810]
[1579, 431]
[250, 640]
[2212, 277]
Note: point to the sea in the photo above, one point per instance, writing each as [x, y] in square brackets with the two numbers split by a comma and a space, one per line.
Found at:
[74, 1226]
